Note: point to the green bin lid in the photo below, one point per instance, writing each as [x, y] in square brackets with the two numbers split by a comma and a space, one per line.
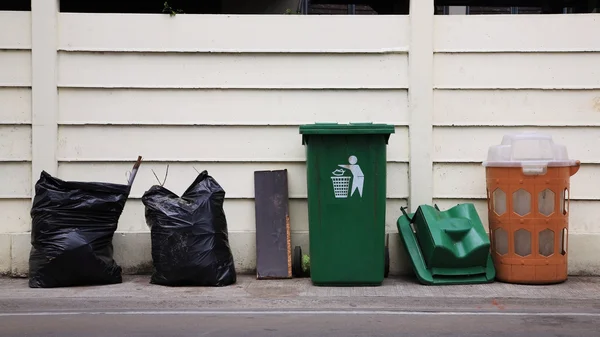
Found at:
[346, 129]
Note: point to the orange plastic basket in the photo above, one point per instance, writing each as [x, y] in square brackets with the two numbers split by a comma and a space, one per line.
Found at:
[528, 185]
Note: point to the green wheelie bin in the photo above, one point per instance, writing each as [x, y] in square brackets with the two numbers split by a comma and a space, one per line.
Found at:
[346, 181]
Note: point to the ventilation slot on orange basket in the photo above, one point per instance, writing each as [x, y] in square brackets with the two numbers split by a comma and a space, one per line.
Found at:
[501, 241]
[564, 201]
[546, 242]
[546, 202]
[522, 202]
[499, 201]
[522, 242]
[563, 242]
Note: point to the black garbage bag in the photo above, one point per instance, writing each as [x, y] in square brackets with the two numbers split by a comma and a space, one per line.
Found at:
[72, 229]
[190, 244]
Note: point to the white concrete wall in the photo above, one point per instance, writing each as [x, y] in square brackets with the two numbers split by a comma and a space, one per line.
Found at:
[227, 94]
[15, 130]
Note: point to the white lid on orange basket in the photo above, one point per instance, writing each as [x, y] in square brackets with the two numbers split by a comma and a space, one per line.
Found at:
[532, 151]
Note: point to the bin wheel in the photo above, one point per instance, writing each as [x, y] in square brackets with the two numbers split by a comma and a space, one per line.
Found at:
[297, 262]
[386, 271]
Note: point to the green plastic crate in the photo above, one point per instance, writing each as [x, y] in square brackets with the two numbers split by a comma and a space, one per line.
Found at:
[447, 247]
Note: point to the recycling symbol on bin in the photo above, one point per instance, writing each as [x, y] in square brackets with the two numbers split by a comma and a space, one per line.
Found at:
[341, 182]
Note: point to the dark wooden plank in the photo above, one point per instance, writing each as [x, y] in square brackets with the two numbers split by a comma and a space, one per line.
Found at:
[273, 237]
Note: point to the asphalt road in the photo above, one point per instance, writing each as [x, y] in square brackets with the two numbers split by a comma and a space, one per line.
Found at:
[299, 323]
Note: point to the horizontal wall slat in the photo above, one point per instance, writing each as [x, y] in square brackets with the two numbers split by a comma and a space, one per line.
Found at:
[15, 106]
[15, 30]
[470, 144]
[517, 71]
[189, 70]
[514, 33]
[230, 107]
[15, 68]
[195, 143]
[236, 178]
[583, 217]
[139, 32]
[517, 107]
[15, 180]
[240, 215]
[468, 181]
[15, 143]
[15, 215]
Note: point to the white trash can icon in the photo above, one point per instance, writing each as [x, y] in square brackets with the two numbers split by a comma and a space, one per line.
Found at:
[341, 184]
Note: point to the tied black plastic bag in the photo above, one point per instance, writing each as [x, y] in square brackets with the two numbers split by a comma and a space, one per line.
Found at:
[190, 245]
[72, 229]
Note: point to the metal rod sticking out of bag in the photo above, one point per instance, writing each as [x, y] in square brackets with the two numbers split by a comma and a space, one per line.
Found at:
[136, 166]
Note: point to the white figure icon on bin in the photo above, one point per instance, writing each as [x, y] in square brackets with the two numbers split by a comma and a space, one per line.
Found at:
[341, 183]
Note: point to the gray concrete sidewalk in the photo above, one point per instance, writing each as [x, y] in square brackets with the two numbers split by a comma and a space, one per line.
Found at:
[249, 287]
[396, 293]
